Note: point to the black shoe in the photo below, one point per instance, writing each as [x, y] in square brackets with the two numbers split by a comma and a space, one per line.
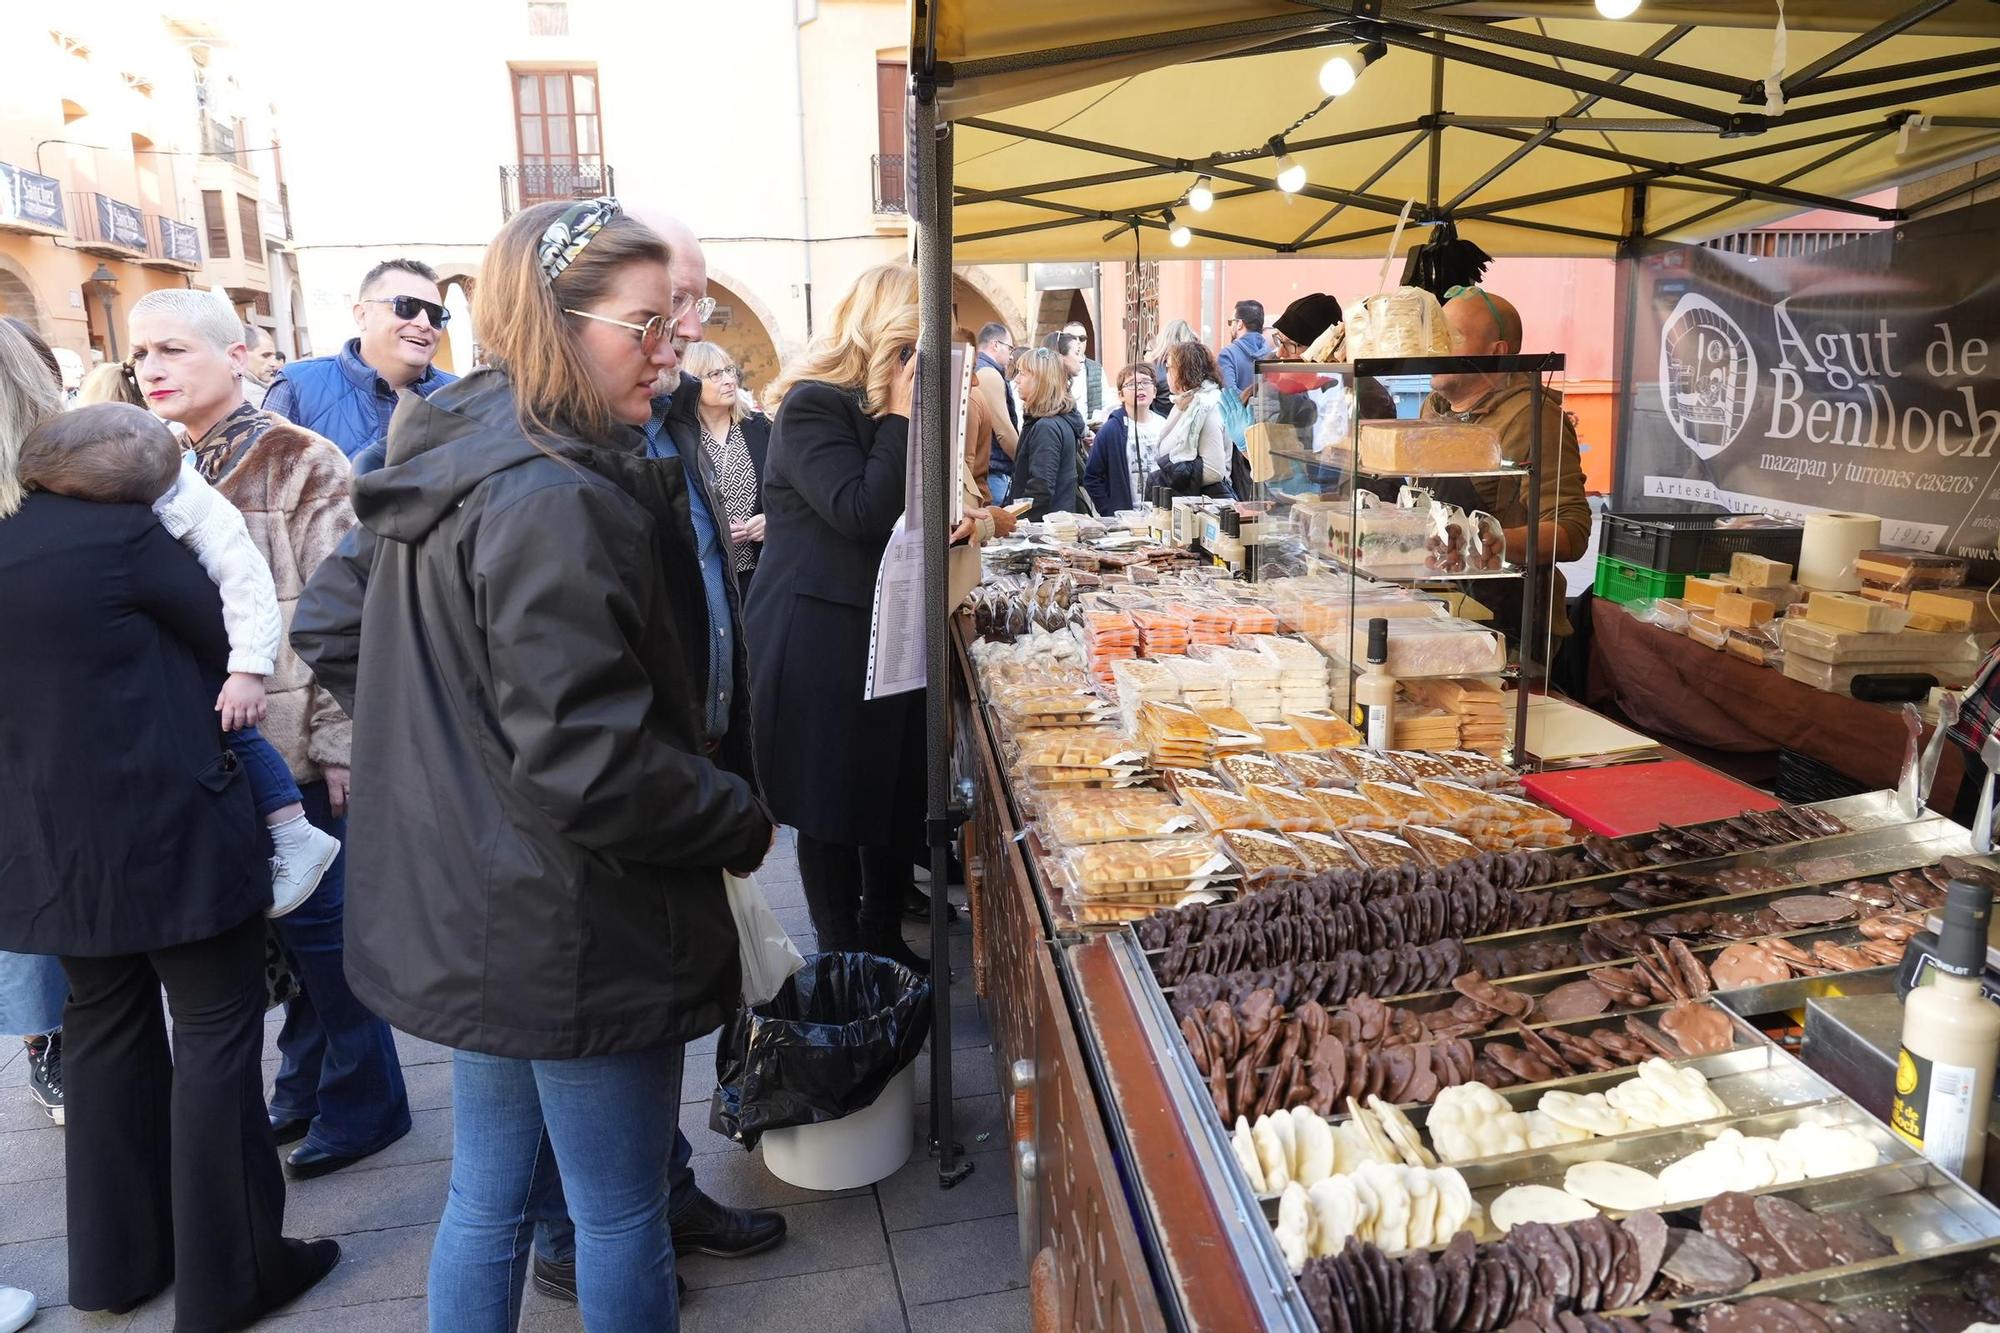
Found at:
[45, 1082]
[289, 1129]
[707, 1227]
[898, 950]
[557, 1281]
[917, 907]
[308, 1162]
[316, 1259]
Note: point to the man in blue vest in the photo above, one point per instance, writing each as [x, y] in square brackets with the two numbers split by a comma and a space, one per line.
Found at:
[989, 381]
[348, 397]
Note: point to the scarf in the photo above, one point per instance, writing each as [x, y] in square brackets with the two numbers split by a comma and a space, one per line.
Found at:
[216, 452]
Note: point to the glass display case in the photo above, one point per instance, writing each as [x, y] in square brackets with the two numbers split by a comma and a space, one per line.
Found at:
[1430, 517]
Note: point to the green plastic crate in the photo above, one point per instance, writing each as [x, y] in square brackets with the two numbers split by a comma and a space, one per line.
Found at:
[1622, 582]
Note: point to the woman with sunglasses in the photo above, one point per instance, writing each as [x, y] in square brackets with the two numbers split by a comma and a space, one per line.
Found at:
[736, 440]
[349, 397]
[554, 729]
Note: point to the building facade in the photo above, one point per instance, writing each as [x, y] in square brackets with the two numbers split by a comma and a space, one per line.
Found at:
[774, 127]
[132, 157]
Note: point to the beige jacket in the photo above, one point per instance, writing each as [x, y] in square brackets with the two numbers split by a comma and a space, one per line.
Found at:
[292, 488]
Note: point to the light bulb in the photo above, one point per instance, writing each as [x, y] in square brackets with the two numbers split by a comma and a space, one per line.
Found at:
[1291, 176]
[1201, 197]
[1618, 9]
[1338, 74]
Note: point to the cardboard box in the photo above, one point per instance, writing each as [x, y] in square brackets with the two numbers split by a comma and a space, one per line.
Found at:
[1844, 610]
[1703, 592]
[1758, 571]
[1734, 609]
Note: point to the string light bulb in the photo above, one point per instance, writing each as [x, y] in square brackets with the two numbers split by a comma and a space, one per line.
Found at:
[1177, 232]
[1338, 74]
[1291, 175]
[1201, 197]
[1618, 9]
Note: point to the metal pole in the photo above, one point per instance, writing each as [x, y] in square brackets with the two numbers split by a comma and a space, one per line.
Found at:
[110, 326]
[933, 201]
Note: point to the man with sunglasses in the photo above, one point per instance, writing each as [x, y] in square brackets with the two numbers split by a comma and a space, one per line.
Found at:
[349, 397]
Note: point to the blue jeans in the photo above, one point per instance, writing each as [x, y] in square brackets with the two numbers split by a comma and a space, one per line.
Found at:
[999, 483]
[32, 991]
[271, 785]
[607, 1121]
[339, 1067]
[555, 1233]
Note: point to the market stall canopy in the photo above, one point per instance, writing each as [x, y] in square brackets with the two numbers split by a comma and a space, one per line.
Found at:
[1538, 126]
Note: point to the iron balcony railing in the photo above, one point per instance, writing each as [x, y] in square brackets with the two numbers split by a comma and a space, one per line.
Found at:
[888, 171]
[537, 183]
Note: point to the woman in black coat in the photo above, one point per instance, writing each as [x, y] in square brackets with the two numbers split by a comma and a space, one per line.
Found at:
[132, 852]
[1051, 450]
[552, 769]
[845, 771]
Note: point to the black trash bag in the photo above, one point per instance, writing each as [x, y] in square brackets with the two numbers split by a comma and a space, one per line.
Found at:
[824, 1046]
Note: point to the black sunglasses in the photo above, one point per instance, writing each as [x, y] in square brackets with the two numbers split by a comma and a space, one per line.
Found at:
[407, 307]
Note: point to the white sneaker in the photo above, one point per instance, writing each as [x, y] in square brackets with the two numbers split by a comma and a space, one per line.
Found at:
[294, 877]
[17, 1307]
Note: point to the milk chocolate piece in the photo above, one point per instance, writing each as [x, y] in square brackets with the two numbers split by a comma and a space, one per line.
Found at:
[1574, 1000]
[1699, 1029]
[1814, 909]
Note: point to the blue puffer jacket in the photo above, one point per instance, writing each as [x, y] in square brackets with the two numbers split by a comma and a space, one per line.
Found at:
[342, 398]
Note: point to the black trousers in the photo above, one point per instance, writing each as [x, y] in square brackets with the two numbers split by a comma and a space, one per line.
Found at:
[854, 894]
[173, 1173]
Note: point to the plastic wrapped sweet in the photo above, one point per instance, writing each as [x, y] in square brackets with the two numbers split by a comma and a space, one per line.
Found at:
[1423, 764]
[1323, 852]
[1440, 847]
[1449, 550]
[1345, 809]
[1287, 809]
[1380, 537]
[1406, 321]
[1261, 856]
[1244, 771]
[1403, 804]
[1221, 809]
[1179, 780]
[1382, 851]
[1446, 647]
[1038, 705]
[1111, 815]
[1307, 769]
[1108, 869]
[1323, 730]
[1489, 543]
[1366, 766]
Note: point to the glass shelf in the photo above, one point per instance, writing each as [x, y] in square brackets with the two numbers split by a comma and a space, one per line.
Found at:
[1339, 459]
[1417, 576]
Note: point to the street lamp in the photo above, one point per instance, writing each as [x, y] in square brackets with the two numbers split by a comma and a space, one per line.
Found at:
[105, 283]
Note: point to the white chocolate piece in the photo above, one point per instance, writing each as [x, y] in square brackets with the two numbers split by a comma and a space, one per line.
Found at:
[1589, 1112]
[1271, 1155]
[1294, 1228]
[1829, 1150]
[1545, 1131]
[1422, 1194]
[1314, 1138]
[1245, 1149]
[1537, 1203]
[1336, 1209]
[1402, 1133]
[1392, 1206]
[1613, 1185]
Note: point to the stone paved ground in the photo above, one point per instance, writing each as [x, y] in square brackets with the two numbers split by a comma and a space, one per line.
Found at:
[900, 1255]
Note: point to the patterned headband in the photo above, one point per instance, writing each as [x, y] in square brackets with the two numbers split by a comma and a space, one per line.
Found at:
[568, 234]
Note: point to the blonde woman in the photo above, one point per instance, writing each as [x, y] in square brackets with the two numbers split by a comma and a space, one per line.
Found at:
[1045, 464]
[109, 383]
[737, 441]
[845, 771]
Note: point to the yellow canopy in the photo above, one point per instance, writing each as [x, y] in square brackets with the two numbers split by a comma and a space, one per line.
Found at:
[1538, 126]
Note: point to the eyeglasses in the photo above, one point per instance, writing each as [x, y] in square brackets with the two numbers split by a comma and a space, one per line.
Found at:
[409, 307]
[651, 334]
[703, 307]
[721, 375]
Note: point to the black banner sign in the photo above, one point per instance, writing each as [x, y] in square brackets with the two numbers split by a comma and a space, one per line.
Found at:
[1865, 377]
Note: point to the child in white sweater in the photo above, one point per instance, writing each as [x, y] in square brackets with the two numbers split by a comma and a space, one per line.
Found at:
[119, 454]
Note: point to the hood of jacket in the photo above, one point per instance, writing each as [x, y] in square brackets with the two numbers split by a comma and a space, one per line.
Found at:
[444, 446]
[1255, 344]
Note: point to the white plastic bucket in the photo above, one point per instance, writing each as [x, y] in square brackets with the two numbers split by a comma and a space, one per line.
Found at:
[858, 1149]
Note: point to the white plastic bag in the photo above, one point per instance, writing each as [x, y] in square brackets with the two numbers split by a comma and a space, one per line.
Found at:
[766, 951]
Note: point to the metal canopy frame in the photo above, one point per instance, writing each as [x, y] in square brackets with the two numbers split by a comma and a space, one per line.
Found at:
[1828, 86]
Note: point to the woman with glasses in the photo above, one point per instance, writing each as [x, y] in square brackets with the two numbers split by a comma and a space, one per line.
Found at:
[846, 771]
[549, 685]
[735, 440]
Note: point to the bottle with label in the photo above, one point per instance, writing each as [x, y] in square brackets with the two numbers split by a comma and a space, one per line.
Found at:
[1375, 692]
[1951, 1039]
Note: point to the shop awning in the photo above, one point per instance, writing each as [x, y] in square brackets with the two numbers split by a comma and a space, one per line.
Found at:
[1538, 126]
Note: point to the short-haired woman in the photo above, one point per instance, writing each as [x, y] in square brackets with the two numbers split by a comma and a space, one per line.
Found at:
[1195, 451]
[736, 440]
[1122, 454]
[556, 766]
[846, 771]
[115, 635]
[1048, 457]
[339, 1086]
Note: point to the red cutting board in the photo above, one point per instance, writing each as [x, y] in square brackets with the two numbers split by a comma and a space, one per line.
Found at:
[1637, 798]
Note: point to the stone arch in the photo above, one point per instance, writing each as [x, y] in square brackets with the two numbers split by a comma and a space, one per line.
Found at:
[18, 298]
[1006, 309]
[458, 345]
[745, 327]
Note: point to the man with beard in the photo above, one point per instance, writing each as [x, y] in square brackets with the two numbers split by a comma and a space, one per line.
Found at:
[348, 397]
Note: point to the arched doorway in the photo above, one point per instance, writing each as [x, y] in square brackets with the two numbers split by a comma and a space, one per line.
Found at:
[458, 344]
[977, 300]
[18, 299]
[738, 327]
